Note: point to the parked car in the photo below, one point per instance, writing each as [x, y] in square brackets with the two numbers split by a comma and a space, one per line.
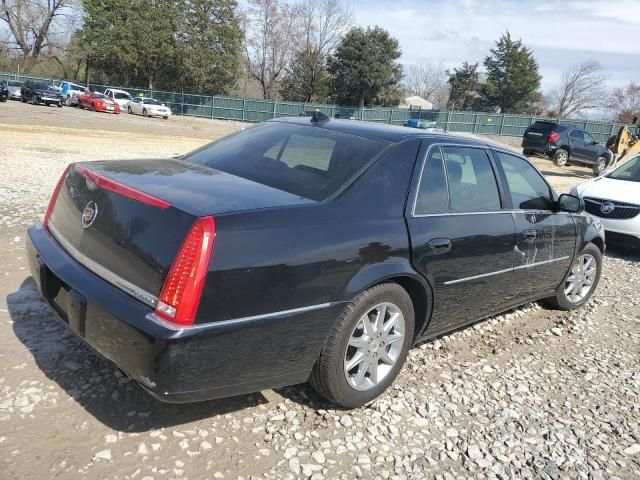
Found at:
[615, 200]
[565, 144]
[427, 126]
[38, 92]
[303, 249]
[70, 93]
[97, 102]
[120, 97]
[13, 89]
[149, 107]
[4, 93]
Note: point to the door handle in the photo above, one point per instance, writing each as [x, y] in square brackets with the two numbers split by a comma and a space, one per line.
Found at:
[439, 246]
[530, 234]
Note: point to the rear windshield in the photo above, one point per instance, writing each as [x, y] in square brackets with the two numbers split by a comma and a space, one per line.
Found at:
[151, 101]
[544, 126]
[311, 162]
[628, 171]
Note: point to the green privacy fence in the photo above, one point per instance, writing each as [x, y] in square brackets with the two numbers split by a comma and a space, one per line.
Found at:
[258, 110]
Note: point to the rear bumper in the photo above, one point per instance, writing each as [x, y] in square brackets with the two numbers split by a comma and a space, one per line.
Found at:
[177, 365]
[544, 148]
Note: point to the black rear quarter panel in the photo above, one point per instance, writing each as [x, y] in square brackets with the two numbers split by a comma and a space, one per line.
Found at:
[291, 257]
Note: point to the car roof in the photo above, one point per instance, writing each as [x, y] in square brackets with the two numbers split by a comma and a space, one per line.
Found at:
[381, 131]
[118, 91]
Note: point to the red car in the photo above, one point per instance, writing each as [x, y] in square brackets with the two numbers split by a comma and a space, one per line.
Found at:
[98, 103]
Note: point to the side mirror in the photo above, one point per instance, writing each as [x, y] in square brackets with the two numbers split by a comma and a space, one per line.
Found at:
[570, 203]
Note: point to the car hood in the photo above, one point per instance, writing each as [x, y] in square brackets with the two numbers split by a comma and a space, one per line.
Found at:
[610, 189]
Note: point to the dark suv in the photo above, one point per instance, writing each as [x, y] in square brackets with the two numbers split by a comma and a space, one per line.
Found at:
[40, 92]
[565, 143]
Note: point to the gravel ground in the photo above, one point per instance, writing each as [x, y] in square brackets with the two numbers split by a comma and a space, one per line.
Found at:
[532, 393]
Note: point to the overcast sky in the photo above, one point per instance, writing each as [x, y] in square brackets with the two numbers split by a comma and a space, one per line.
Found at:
[560, 32]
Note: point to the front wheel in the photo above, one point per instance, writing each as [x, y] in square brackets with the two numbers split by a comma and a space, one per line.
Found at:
[561, 157]
[144, 112]
[580, 282]
[600, 166]
[366, 347]
[129, 111]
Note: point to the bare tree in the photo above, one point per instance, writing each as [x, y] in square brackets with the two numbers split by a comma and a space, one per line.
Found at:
[321, 24]
[34, 25]
[428, 80]
[625, 103]
[269, 42]
[582, 88]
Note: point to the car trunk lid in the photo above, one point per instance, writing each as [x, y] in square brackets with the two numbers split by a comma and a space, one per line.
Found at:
[126, 220]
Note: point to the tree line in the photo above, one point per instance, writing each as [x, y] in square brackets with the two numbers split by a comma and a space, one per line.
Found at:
[306, 50]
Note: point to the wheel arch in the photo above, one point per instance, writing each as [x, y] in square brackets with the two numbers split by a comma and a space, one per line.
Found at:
[416, 286]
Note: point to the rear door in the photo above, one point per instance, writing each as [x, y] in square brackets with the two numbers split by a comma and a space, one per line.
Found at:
[545, 238]
[577, 145]
[461, 239]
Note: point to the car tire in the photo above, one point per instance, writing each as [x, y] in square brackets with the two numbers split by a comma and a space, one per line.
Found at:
[330, 377]
[67, 101]
[526, 153]
[129, 111]
[166, 117]
[568, 298]
[144, 112]
[59, 104]
[561, 157]
[600, 165]
[23, 100]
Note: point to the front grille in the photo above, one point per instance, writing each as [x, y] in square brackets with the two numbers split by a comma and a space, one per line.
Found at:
[621, 211]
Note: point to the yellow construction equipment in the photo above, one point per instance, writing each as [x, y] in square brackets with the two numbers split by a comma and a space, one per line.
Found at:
[624, 145]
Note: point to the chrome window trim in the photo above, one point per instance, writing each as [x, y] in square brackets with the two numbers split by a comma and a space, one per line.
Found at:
[104, 273]
[506, 270]
[234, 321]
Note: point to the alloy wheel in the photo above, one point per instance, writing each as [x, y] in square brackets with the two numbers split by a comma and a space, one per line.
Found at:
[581, 279]
[374, 346]
[562, 159]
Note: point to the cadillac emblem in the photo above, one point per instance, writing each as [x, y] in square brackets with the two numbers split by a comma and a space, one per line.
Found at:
[89, 214]
[607, 207]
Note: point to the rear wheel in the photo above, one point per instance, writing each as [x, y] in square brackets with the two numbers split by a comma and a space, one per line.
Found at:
[561, 157]
[92, 108]
[144, 112]
[366, 347]
[166, 117]
[580, 282]
[600, 165]
[67, 101]
[129, 110]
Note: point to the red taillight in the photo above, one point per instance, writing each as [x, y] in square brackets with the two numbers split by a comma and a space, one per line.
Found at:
[121, 189]
[54, 197]
[553, 137]
[182, 288]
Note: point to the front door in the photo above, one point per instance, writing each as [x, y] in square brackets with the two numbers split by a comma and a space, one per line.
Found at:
[462, 240]
[545, 238]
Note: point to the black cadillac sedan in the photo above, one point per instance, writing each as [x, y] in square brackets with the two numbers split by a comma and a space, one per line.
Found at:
[305, 249]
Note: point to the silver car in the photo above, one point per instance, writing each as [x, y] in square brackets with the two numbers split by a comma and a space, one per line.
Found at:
[14, 89]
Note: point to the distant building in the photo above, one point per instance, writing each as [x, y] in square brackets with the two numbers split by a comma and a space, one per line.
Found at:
[416, 102]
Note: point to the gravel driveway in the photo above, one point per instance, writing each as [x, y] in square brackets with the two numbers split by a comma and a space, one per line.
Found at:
[532, 393]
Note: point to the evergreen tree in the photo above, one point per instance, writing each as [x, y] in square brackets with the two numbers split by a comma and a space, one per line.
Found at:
[513, 79]
[365, 68]
[464, 85]
[307, 78]
[210, 40]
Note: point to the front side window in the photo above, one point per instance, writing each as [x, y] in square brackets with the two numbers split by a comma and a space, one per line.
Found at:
[588, 139]
[311, 162]
[526, 186]
[472, 183]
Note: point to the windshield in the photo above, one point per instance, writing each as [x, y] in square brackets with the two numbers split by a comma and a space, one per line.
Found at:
[121, 96]
[628, 171]
[40, 86]
[98, 95]
[303, 160]
[151, 101]
[13, 83]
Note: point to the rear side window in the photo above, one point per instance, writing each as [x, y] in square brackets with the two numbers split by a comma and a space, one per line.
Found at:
[527, 188]
[577, 134]
[303, 160]
[472, 183]
[457, 180]
[433, 196]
